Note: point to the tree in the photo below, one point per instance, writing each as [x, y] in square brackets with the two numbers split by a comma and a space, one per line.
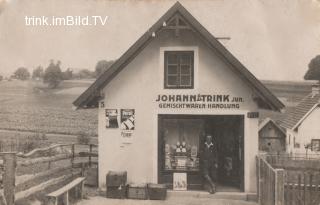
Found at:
[85, 73]
[313, 72]
[1, 77]
[53, 75]
[38, 73]
[21, 74]
[102, 66]
[67, 75]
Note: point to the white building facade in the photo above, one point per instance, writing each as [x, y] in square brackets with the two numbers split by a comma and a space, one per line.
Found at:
[175, 85]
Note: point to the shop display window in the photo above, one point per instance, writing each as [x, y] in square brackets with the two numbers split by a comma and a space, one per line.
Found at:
[181, 144]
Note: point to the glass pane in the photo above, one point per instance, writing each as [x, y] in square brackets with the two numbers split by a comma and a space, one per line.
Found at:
[185, 69]
[181, 144]
[185, 80]
[172, 58]
[172, 69]
[185, 59]
[172, 80]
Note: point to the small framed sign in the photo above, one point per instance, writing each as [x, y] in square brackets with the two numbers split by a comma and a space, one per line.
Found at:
[180, 181]
[112, 118]
[253, 115]
[127, 119]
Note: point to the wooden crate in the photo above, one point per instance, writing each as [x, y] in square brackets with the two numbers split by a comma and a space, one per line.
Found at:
[138, 191]
[117, 192]
[157, 191]
[116, 179]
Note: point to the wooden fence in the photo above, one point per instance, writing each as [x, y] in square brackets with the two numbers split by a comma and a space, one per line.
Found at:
[18, 144]
[305, 192]
[270, 183]
[302, 177]
[296, 177]
[42, 169]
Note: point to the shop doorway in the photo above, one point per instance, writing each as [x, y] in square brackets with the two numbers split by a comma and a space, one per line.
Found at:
[181, 141]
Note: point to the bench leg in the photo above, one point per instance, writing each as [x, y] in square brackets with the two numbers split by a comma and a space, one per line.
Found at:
[52, 201]
[65, 198]
[81, 188]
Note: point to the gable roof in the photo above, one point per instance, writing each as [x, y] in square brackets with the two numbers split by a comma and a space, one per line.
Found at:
[268, 120]
[264, 97]
[294, 117]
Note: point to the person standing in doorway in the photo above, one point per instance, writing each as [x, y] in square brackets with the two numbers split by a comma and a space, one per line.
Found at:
[210, 163]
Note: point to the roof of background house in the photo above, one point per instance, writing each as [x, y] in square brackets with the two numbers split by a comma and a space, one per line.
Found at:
[294, 117]
[90, 97]
[267, 120]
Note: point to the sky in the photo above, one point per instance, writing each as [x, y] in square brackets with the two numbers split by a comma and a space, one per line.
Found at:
[274, 39]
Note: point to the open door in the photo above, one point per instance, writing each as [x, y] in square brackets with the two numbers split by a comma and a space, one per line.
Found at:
[241, 153]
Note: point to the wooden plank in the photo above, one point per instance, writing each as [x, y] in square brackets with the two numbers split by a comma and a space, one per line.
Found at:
[67, 187]
[42, 186]
[9, 177]
[279, 187]
[35, 151]
[88, 154]
[24, 182]
[34, 161]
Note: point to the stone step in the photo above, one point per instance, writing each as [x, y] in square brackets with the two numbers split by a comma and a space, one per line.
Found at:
[203, 194]
[218, 195]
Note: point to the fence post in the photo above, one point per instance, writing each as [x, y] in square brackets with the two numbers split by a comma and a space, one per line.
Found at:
[279, 187]
[258, 177]
[9, 160]
[73, 154]
[90, 155]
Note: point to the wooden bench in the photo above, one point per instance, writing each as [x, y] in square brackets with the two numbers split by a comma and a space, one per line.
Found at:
[77, 184]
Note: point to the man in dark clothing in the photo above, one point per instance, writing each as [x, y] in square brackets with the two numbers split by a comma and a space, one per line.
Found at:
[210, 163]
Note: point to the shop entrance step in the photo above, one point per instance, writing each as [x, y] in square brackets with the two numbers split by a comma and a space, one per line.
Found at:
[218, 195]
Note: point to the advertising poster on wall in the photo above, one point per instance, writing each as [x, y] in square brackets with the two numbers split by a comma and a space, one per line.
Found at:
[180, 181]
[112, 118]
[127, 119]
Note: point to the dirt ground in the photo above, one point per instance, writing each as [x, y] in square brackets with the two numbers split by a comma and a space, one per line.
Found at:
[170, 201]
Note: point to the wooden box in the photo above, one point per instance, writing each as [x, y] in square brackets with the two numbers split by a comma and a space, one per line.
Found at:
[116, 179]
[117, 192]
[137, 191]
[157, 191]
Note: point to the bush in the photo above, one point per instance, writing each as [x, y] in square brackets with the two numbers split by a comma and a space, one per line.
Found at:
[53, 75]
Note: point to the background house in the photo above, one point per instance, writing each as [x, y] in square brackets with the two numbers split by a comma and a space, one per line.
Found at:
[302, 124]
[272, 137]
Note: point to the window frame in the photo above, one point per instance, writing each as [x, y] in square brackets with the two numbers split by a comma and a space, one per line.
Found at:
[312, 145]
[179, 53]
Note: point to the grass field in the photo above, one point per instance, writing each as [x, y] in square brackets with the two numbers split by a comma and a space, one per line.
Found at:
[29, 106]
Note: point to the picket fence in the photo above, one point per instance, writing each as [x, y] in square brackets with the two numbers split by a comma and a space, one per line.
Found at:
[288, 180]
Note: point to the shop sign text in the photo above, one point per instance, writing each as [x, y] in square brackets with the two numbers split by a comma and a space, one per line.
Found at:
[199, 101]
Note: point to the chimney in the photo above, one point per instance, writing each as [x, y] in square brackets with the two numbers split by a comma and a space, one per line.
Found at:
[315, 89]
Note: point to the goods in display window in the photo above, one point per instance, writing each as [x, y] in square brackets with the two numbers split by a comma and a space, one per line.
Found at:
[181, 157]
